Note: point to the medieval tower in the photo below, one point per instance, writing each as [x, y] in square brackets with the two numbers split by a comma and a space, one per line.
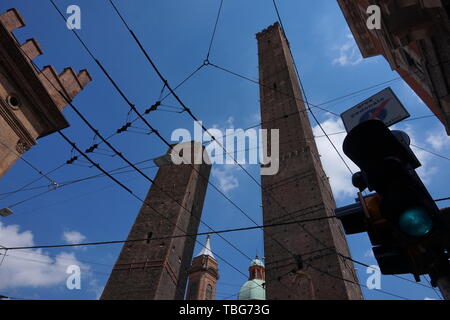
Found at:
[158, 269]
[300, 190]
[203, 275]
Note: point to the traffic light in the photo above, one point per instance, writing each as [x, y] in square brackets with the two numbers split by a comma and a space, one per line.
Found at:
[401, 219]
[388, 165]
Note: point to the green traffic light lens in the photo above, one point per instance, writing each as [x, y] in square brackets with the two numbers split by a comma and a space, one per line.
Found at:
[415, 222]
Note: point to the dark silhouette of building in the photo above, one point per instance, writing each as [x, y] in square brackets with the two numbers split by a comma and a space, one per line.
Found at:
[415, 39]
[203, 275]
[299, 190]
[158, 269]
[30, 101]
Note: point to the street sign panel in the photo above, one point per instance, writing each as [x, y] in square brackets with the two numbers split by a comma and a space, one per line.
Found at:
[384, 106]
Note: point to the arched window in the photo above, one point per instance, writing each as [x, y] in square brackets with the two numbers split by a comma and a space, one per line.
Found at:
[209, 292]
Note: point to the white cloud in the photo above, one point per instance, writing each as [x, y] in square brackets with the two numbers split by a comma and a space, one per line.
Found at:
[225, 174]
[225, 177]
[438, 140]
[349, 54]
[340, 177]
[73, 237]
[427, 298]
[369, 254]
[32, 268]
[229, 124]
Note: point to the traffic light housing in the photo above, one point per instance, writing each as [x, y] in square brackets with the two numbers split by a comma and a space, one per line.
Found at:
[401, 218]
[389, 166]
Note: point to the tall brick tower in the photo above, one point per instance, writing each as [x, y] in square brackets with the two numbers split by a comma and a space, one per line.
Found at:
[203, 275]
[158, 269]
[299, 190]
[30, 104]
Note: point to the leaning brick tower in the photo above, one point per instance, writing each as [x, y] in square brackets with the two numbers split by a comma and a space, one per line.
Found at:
[155, 269]
[300, 190]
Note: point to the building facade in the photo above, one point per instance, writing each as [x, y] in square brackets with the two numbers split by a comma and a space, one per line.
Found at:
[158, 269]
[31, 101]
[415, 39]
[203, 275]
[298, 191]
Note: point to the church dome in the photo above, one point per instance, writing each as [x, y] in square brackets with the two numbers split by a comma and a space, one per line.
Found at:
[253, 290]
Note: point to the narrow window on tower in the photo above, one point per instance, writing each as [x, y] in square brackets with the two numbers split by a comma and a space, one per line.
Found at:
[209, 292]
[149, 237]
[275, 85]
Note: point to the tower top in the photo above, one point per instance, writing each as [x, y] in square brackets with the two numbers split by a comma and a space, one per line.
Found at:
[206, 251]
[270, 28]
[257, 262]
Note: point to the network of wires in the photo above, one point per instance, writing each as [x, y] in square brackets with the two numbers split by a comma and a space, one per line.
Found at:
[137, 122]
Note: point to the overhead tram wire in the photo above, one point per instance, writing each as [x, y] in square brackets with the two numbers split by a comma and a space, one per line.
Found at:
[319, 124]
[214, 31]
[358, 283]
[304, 92]
[100, 243]
[309, 108]
[112, 148]
[317, 106]
[198, 234]
[188, 111]
[141, 200]
[97, 133]
[165, 82]
[24, 187]
[259, 83]
[52, 263]
[145, 121]
[176, 97]
[70, 182]
[6, 195]
[28, 163]
[133, 107]
[118, 153]
[430, 152]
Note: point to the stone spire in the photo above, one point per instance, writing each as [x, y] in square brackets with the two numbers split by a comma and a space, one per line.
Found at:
[203, 275]
[206, 251]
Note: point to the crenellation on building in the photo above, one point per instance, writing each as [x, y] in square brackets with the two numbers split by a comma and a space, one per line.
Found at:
[31, 48]
[12, 20]
[30, 106]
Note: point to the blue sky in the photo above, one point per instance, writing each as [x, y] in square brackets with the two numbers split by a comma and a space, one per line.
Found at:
[177, 35]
